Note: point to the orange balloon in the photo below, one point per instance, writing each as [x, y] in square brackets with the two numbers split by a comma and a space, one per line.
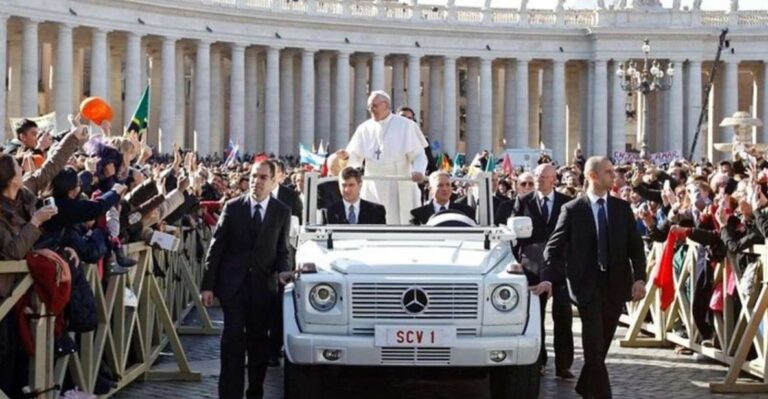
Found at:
[96, 110]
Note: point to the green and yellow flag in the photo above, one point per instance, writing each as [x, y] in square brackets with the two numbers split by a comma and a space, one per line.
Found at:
[140, 115]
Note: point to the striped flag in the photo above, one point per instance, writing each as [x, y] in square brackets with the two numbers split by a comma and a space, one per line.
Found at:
[308, 157]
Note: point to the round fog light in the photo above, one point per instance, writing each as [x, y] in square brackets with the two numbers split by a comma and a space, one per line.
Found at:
[332, 354]
[498, 356]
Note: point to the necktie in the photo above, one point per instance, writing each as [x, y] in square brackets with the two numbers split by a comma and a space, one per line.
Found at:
[545, 209]
[442, 208]
[351, 217]
[602, 235]
[256, 214]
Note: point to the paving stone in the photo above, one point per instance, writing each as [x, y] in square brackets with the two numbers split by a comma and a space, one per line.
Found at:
[634, 373]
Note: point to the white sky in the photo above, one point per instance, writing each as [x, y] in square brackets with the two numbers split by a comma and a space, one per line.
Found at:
[550, 4]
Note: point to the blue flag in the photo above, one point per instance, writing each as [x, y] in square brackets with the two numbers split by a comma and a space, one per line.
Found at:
[308, 157]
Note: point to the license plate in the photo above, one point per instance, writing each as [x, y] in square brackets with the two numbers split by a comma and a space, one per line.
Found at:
[411, 336]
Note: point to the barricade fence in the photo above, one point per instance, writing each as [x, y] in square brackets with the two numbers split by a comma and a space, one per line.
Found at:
[734, 334]
[128, 339]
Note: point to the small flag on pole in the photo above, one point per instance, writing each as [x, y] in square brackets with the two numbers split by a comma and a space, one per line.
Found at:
[308, 157]
[506, 165]
[140, 115]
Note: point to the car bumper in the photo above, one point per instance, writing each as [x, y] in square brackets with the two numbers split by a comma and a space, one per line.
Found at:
[304, 348]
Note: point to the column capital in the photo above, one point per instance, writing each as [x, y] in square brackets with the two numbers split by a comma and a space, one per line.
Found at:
[523, 58]
[204, 42]
[98, 29]
[238, 46]
[33, 20]
[343, 53]
[168, 38]
[273, 49]
[309, 50]
[61, 25]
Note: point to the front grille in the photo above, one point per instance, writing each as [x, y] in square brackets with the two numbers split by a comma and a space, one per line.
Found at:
[451, 301]
[408, 355]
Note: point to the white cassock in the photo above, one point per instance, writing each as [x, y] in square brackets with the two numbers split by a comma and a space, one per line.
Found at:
[390, 147]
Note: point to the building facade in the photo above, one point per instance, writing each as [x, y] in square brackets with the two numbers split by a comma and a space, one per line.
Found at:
[271, 74]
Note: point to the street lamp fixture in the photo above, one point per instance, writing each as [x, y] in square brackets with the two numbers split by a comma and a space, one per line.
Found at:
[653, 76]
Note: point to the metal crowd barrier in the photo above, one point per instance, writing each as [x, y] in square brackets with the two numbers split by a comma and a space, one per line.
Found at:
[737, 329]
[129, 340]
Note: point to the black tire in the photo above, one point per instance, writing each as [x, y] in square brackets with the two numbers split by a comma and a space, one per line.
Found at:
[301, 382]
[518, 382]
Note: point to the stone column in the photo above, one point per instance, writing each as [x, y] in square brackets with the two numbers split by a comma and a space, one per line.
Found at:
[398, 81]
[202, 132]
[341, 133]
[600, 111]
[252, 143]
[99, 52]
[218, 133]
[168, 98]
[307, 132]
[730, 96]
[472, 128]
[675, 124]
[558, 111]
[237, 126]
[435, 117]
[133, 86]
[377, 72]
[522, 103]
[486, 104]
[286, 102]
[546, 130]
[762, 137]
[449, 101]
[180, 133]
[414, 84]
[324, 97]
[62, 75]
[509, 104]
[618, 115]
[361, 90]
[272, 102]
[29, 69]
[3, 72]
[693, 108]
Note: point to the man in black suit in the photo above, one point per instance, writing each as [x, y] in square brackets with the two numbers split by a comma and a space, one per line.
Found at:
[352, 209]
[290, 197]
[441, 190]
[247, 258]
[328, 193]
[286, 194]
[597, 251]
[543, 207]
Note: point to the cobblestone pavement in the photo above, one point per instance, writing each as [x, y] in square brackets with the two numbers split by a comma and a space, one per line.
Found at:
[635, 373]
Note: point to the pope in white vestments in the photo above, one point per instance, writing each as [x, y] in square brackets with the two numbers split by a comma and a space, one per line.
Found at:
[390, 145]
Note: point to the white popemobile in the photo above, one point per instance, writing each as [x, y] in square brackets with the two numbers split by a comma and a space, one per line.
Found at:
[448, 295]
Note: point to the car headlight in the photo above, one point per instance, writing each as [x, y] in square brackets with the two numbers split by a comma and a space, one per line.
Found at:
[505, 298]
[322, 297]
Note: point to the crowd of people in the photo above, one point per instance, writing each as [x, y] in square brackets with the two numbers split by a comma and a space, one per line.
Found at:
[74, 199]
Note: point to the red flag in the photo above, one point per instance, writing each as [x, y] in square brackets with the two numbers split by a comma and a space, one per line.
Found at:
[665, 279]
[506, 165]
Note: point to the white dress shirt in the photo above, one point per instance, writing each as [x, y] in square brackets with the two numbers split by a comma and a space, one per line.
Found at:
[438, 206]
[263, 204]
[596, 207]
[550, 201]
[355, 205]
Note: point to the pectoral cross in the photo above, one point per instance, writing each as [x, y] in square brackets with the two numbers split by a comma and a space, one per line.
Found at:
[378, 153]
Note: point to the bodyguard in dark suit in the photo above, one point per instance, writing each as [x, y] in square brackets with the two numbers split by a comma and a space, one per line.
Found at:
[597, 251]
[285, 194]
[247, 257]
[352, 209]
[543, 207]
[440, 189]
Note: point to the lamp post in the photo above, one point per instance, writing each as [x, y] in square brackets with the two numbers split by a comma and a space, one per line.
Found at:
[651, 78]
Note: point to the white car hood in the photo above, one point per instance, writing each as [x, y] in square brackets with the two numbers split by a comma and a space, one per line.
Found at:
[406, 257]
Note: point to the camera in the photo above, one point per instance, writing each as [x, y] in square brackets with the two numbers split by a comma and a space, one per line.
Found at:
[49, 202]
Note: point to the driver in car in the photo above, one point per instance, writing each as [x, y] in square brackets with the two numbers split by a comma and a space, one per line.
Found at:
[440, 190]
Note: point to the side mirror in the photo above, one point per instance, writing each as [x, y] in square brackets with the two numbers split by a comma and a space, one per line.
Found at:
[521, 225]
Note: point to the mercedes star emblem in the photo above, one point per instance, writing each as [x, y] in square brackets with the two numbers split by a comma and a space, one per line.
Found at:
[415, 300]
